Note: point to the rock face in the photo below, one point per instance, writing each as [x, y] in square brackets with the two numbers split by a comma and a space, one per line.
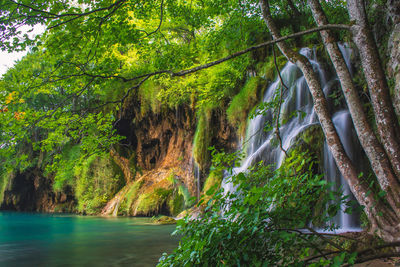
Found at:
[155, 140]
[31, 191]
[156, 158]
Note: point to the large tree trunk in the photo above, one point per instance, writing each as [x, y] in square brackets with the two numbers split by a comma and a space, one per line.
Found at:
[388, 127]
[387, 224]
[393, 7]
[371, 145]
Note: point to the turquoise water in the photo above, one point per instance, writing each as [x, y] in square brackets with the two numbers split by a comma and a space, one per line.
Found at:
[69, 240]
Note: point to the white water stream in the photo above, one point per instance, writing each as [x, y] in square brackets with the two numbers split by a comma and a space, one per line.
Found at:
[261, 145]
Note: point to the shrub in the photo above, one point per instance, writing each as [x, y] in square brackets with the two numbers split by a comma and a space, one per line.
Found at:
[262, 223]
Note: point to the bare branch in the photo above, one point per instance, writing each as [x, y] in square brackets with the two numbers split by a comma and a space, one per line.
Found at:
[278, 109]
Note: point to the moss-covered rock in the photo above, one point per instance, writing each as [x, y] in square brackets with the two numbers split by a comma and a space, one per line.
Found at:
[202, 139]
[98, 179]
[312, 140]
[213, 183]
[267, 68]
[5, 177]
[152, 203]
[164, 220]
[129, 198]
[244, 101]
[153, 193]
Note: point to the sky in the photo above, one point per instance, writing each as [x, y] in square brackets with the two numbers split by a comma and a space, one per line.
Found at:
[7, 60]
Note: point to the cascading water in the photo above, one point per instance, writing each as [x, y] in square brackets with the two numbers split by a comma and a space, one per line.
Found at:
[343, 124]
[261, 145]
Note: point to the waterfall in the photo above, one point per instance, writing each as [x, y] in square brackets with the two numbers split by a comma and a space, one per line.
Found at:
[261, 145]
[197, 177]
[344, 128]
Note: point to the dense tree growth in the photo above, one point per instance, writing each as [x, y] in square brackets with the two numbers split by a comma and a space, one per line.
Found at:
[94, 56]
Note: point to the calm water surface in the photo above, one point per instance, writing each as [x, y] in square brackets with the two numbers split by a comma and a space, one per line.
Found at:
[69, 240]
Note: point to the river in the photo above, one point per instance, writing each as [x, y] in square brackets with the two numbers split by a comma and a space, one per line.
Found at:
[29, 239]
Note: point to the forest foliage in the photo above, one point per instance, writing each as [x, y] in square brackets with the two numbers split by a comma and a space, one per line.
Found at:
[69, 92]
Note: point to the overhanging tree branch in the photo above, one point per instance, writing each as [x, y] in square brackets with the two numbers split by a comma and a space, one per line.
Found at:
[219, 61]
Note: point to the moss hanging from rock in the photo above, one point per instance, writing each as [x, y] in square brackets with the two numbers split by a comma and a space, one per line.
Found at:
[130, 197]
[5, 177]
[244, 101]
[153, 203]
[202, 138]
[148, 97]
[167, 196]
[98, 179]
[267, 68]
[213, 181]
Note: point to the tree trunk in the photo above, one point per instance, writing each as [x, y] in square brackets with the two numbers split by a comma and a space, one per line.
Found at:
[388, 126]
[387, 224]
[376, 154]
[393, 7]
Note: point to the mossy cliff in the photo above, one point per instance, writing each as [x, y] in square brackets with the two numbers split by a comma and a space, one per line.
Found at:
[150, 172]
[32, 191]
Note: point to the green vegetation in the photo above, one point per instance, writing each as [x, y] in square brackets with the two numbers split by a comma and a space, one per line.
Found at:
[244, 101]
[260, 227]
[163, 220]
[70, 158]
[267, 68]
[97, 181]
[4, 179]
[130, 197]
[168, 196]
[202, 138]
[148, 94]
[212, 183]
[311, 141]
[103, 66]
[151, 203]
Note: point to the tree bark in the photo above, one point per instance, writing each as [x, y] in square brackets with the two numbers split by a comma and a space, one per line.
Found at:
[388, 224]
[370, 143]
[387, 124]
[393, 7]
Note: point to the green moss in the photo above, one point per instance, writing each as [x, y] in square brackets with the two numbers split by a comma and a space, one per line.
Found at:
[4, 180]
[179, 200]
[65, 175]
[98, 179]
[189, 200]
[148, 97]
[202, 138]
[163, 220]
[268, 69]
[170, 198]
[311, 141]
[152, 203]
[309, 144]
[244, 101]
[211, 185]
[213, 181]
[176, 203]
[130, 197]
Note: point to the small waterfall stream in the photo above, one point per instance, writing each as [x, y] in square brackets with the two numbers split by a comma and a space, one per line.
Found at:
[261, 145]
[344, 127]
